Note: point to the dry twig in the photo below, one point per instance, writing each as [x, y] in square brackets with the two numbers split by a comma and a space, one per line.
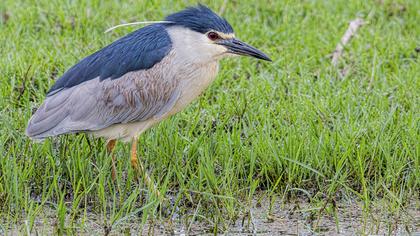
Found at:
[350, 32]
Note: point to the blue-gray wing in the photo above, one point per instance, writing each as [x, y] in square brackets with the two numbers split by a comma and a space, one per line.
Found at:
[96, 104]
[123, 82]
[139, 50]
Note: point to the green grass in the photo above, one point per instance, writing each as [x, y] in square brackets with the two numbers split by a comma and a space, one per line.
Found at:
[294, 128]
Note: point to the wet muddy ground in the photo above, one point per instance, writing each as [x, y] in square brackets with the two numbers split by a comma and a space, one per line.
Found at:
[302, 219]
[293, 218]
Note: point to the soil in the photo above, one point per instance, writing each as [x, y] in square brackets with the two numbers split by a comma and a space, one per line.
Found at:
[296, 218]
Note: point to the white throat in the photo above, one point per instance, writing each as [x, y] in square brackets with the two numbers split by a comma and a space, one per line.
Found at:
[194, 47]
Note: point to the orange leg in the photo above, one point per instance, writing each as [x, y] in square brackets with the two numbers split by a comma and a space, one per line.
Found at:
[133, 159]
[139, 168]
[110, 146]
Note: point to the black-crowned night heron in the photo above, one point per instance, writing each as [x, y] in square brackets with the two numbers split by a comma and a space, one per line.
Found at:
[139, 80]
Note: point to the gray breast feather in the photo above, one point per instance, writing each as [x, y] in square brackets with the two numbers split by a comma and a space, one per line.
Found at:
[95, 104]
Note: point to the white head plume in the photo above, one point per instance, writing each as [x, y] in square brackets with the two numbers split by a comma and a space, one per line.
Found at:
[136, 23]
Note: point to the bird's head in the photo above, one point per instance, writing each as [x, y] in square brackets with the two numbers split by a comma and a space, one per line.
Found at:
[201, 32]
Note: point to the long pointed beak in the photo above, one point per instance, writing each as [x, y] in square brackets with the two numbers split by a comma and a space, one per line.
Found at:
[238, 47]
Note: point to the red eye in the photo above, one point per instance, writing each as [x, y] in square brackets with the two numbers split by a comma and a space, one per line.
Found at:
[213, 36]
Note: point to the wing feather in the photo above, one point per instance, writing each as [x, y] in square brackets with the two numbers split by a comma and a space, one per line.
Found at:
[96, 104]
[139, 50]
[121, 83]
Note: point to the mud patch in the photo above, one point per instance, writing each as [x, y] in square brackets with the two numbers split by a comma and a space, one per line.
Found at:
[297, 218]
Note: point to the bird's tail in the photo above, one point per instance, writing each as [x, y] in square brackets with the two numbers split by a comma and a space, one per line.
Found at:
[47, 118]
[41, 125]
